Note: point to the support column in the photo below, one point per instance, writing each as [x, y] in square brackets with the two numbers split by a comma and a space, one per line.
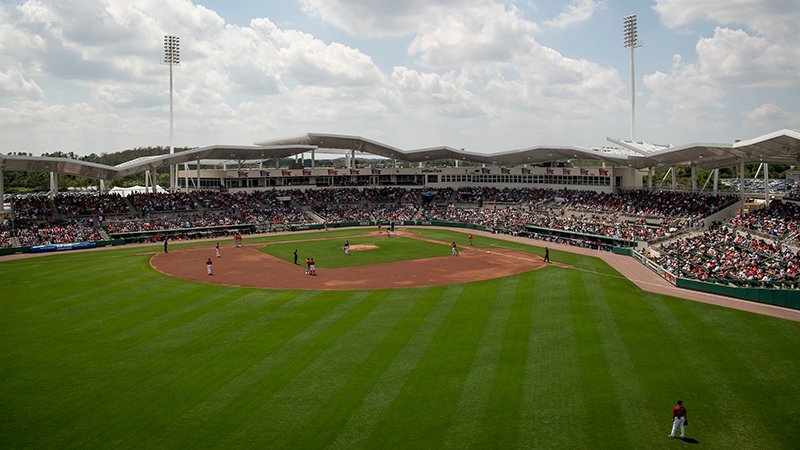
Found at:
[766, 185]
[53, 184]
[186, 176]
[694, 179]
[741, 188]
[277, 163]
[198, 174]
[650, 178]
[2, 192]
[146, 180]
[633, 178]
[313, 161]
[674, 178]
[394, 163]
[716, 181]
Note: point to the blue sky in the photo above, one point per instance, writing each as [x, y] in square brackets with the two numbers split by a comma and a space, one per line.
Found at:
[486, 75]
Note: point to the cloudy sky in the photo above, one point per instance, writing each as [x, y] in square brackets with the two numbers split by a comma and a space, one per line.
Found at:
[485, 75]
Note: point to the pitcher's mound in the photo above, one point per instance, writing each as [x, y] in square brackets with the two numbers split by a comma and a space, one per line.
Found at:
[364, 247]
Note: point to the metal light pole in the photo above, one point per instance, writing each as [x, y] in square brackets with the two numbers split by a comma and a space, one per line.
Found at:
[630, 40]
[172, 57]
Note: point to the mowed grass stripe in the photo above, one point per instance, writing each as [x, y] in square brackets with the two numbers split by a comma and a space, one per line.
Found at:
[363, 421]
[231, 405]
[752, 374]
[597, 384]
[281, 417]
[428, 400]
[319, 431]
[470, 414]
[505, 405]
[637, 417]
[553, 413]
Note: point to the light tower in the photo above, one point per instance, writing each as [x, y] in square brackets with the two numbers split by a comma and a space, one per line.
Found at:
[172, 57]
[630, 40]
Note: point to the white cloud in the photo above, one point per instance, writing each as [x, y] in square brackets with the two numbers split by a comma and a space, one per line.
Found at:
[490, 35]
[14, 86]
[389, 17]
[734, 58]
[575, 12]
[768, 55]
[771, 115]
[695, 103]
[766, 17]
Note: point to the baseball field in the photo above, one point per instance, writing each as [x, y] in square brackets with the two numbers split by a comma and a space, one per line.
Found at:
[107, 349]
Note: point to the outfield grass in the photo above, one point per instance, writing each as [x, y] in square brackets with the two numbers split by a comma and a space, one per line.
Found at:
[99, 350]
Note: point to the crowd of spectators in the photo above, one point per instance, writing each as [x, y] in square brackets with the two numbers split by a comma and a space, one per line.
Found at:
[384, 195]
[394, 213]
[171, 222]
[779, 220]
[723, 254]
[174, 202]
[90, 204]
[57, 232]
[336, 195]
[33, 207]
[332, 213]
[6, 235]
[276, 215]
[647, 203]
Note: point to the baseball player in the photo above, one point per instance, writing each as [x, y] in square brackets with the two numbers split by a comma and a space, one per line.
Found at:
[313, 268]
[470, 240]
[208, 265]
[295, 257]
[166, 241]
[238, 239]
[379, 228]
[217, 248]
[346, 247]
[308, 266]
[388, 232]
[455, 249]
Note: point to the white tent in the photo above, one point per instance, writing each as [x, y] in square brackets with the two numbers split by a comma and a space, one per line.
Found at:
[135, 190]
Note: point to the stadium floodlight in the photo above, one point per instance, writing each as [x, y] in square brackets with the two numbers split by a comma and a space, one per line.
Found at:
[172, 57]
[630, 40]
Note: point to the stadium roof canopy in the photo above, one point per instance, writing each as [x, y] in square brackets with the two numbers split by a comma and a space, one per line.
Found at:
[779, 147]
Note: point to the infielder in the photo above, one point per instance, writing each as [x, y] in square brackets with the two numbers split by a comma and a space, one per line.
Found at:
[312, 268]
[455, 249]
[208, 265]
[217, 248]
[470, 239]
[346, 247]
